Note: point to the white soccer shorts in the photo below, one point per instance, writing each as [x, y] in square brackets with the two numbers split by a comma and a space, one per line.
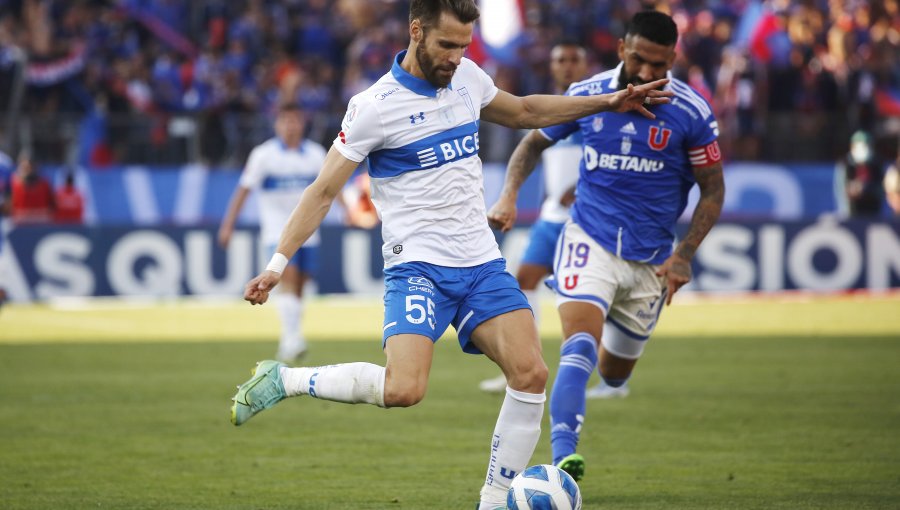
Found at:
[629, 293]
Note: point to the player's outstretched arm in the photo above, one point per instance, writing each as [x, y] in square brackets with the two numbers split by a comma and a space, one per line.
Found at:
[304, 220]
[539, 110]
[524, 158]
[677, 268]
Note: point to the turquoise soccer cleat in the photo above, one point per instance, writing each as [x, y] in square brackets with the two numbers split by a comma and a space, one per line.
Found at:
[572, 464]
[262, 391]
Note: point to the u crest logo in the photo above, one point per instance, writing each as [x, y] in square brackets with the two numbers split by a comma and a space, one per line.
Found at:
[570, 282]
[658, 138]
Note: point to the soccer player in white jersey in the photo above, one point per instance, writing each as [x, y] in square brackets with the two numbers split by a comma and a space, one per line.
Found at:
[278, 170]
[615, 262]
[417, 127]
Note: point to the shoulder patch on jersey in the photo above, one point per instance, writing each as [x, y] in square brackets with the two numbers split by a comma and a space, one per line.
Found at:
[350, 116]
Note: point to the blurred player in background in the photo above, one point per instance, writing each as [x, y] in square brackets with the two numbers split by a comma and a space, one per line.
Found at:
[859, 178]
[418, 128]
[892, 187]
[279, 170]
[568, 63]
[615, 262]
[6, 173]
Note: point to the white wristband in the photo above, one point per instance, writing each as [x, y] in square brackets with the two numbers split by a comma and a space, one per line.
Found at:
[277, 263]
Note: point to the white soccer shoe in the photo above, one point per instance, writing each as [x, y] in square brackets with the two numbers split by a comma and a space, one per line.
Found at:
[605, 391]
[493, 385]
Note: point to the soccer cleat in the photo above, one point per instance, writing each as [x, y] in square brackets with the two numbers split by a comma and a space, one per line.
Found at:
[493, 385]
[572, 464]
[604, 391]
[262, 391]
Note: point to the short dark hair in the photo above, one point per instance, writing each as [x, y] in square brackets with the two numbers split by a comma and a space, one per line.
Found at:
[290, 107]
[654, 26]
[428, 12]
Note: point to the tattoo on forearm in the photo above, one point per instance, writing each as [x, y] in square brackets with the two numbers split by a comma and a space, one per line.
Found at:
[712, 195]
[521, 164]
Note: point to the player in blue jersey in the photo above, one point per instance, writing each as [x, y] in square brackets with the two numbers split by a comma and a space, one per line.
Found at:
[417, 129]
[568, 63]
[614, 260]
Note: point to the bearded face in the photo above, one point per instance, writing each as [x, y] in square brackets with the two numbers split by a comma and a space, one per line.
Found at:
[436, 73]
[643, 60]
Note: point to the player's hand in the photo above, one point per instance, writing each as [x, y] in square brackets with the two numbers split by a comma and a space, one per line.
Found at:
[225, 236]
[502, 215]
[677, 272]
[257, 289]
[639, 97]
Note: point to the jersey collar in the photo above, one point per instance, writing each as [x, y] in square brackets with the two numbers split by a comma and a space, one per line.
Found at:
[285, 148]
[614, 82]
[417, 85]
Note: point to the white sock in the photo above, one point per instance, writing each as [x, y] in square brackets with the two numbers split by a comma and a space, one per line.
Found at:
[535, 302]
[351, 383]
[290, 311]
[515, 437]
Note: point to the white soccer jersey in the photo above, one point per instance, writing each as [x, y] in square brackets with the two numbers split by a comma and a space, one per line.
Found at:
[561, 163]
[279, 175]
[422, 150]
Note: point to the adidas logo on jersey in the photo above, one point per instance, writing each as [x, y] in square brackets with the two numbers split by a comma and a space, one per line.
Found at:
[628, 129]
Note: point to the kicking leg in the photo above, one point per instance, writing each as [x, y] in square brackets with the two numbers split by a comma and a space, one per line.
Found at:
[401, 383]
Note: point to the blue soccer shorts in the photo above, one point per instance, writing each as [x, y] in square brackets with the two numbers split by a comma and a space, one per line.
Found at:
[423, 299]
[306, 260]
[542, 243]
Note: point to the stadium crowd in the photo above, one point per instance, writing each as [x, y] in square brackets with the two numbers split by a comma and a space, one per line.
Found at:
[168, 81]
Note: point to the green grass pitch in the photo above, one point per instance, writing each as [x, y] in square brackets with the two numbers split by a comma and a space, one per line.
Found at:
[725, 413]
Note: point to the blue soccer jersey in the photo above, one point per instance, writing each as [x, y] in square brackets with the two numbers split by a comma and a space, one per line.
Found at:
[636, 172]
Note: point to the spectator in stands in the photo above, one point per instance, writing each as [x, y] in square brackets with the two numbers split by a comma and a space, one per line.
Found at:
[892, 186]
[69, 202]
[32, 195]
[858, 178]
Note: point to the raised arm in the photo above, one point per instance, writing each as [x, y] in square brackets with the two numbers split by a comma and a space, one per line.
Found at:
[522, 162]
[537, 111]
[677, 268]
[304, 220]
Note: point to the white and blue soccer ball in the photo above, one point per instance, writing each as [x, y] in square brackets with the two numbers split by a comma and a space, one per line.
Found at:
[543, 487]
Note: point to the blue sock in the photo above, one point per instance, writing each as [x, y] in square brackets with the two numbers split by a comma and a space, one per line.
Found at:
[567, 401]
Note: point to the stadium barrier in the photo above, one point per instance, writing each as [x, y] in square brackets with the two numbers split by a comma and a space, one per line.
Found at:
[41, 263]
[197, 195]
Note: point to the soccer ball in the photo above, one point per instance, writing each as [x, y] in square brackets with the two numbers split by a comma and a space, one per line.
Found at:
[543, 487]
